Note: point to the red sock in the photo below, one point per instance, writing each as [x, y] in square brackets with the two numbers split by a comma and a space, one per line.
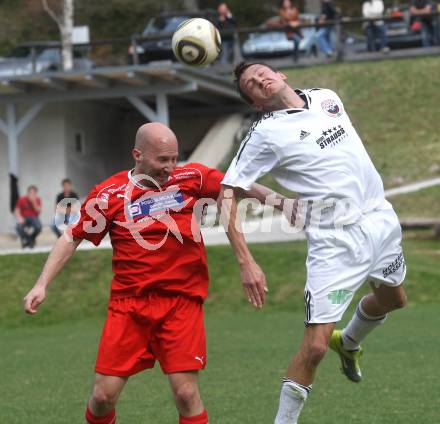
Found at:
[197, 419]
[110, 418]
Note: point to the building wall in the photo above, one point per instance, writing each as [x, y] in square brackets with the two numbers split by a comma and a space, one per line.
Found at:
[107, 134]
[40, 158]
[190, 132]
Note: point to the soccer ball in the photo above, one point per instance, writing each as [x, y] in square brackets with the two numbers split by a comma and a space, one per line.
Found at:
[196, 42]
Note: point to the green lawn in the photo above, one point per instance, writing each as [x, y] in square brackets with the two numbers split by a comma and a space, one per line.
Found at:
[47, 373]
[423, 203]
[47, 360]
[81, 290]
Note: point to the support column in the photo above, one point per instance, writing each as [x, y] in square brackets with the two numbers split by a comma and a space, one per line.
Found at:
[12, 134]
[12, 129]
[162, 109]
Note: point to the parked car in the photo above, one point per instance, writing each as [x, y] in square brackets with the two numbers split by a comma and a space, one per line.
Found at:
[275, 43]
[161, 28]
[401, 33]
[20, 60]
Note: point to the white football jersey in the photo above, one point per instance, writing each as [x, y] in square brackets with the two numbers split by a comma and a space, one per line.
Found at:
[314, 152]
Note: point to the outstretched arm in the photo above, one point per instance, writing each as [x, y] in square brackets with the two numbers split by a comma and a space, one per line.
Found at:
[263, 194]
[60, 254]
[266, 196]
[252, 277]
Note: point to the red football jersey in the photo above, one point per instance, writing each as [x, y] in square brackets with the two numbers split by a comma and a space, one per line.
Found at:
[154, 233]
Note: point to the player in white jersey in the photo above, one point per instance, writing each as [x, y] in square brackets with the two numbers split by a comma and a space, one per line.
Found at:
[306, 141]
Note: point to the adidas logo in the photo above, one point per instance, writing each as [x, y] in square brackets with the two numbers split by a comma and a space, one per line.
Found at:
[303, 135]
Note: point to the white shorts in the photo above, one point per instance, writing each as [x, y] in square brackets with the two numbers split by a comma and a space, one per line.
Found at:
[340, 261]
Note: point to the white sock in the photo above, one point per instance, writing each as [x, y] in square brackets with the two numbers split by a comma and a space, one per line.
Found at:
[359, 327]
[292, 398]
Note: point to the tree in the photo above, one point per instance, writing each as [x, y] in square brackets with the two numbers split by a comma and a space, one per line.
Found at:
[190, 5]
[313, 6]
[64, 20]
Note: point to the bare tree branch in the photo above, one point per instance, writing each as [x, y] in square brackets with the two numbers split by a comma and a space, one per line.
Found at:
[51, 13]
[313, 6]
[64, 21]
[190, 5]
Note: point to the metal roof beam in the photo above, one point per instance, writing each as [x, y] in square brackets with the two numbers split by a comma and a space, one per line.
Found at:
[160, 115]
[56, 83]
[143, 108]
[98, 80]
[214, 86]
[206, 99]
[187, 112]
[97, 94]
[138, 77]
[27, 117]
[17, 85]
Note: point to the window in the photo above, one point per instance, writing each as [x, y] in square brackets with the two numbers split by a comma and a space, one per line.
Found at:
[79, 143]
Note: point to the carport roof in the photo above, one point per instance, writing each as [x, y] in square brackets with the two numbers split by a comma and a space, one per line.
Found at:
[123, 81]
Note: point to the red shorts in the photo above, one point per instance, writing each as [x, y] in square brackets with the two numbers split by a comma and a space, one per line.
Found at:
[140, 330]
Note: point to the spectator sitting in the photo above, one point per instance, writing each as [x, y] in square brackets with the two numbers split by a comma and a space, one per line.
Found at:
[288, 16]
[63, 210]
[27, 210]
[226, 21]
[419, 9]
[375, 29]
[324, 35]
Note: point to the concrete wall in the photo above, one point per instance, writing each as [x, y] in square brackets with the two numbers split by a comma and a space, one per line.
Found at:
[99, 127]
[41, 161]
[190, 131]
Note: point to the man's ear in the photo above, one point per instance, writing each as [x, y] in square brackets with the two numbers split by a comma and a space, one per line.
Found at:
[283, 76]
[137, 154]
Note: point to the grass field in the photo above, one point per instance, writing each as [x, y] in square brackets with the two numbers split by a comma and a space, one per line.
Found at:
[47, 360]
[423, 203]
[47, 373]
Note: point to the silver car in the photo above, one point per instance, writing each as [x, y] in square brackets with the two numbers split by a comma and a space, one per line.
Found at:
[275, 43]
[26, 59]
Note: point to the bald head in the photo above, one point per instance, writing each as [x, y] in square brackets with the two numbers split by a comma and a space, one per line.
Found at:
[155, 152]
[154, 135]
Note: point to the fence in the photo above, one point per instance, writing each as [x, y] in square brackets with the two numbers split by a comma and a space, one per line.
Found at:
[348, 38]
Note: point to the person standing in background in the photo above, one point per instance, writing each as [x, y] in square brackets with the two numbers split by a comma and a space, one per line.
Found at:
[375, 29]
[288, 17]
[325, 33]
[420, 10]
[226, 22]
